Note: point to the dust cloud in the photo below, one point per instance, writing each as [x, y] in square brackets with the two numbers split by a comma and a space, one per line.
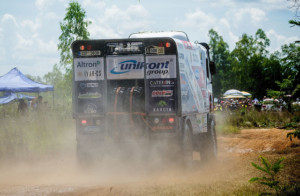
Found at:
[58, 171]
[140, 165]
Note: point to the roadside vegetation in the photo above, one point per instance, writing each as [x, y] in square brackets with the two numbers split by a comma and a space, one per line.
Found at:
[36, 134]
[233, 122]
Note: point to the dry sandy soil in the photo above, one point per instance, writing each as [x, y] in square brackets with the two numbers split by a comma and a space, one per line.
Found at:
[228, 175]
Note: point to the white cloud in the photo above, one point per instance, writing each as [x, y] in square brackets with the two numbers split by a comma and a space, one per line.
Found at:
[198, 19]
[275, 4]
[94, 4]
[115, 22]
[52, 16]
[266, 5]
[255, 15]
[22, 46]
[7, 18]
[31, 25]
[43, 5]
[278, 40]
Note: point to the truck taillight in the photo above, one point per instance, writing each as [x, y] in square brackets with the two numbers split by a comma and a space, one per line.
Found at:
[168, 44]
[83, 122]
[163, 120]
[82, 47]
[171, 120]
[89, 47]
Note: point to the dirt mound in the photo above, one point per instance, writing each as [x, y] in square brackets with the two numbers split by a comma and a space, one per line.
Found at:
[256, 141]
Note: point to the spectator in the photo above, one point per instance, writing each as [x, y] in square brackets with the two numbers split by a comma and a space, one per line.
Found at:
[22, 107]
[39, 102]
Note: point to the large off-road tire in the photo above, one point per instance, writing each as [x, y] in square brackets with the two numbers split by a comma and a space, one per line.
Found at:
[187, 145]
[89, 155]
[83, 158]
[209, 147]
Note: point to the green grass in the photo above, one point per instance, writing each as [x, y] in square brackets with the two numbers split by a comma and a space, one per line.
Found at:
[36, 134]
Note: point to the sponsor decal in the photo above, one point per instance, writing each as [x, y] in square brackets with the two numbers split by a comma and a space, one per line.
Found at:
[162, 103]
[90, 53]
[162, 107]
[181, 56]
[179, 45]
[161, 66]
[92, 73]
[196, 59]
[88, 64]
[127, 66]
[187, 45]
[162, 93]
[92, 129]
[90, 108]
[157, 72]
[89, 95]
[162, 83]
[155, 50]
[88, 69]
[92, 85]
[133, 67]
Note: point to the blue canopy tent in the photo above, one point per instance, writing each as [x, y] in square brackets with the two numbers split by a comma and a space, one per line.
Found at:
[28, 97]
[14, 81]
[9, 97]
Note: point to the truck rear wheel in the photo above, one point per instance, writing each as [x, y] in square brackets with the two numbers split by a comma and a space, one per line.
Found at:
[187, 145]
[209, 148]
[83, 159]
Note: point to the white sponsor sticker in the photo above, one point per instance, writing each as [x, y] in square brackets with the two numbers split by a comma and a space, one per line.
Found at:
[163, 66]
[88, 69]
[130, 67]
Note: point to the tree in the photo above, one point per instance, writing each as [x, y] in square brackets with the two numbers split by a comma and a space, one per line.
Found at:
[73, 27]
[261, 42]
[251, 67]
[291, 63]
[296, 5]
[240, 57]
[220, 52]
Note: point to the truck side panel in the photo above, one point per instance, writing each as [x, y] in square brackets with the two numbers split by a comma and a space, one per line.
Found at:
[193, 81]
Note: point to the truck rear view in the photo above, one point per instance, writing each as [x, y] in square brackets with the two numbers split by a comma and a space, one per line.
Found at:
[135, 90]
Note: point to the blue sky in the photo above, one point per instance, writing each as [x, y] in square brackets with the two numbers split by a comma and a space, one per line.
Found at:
[29, 29]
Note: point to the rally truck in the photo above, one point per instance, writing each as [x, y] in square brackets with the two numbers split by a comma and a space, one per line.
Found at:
[147, 87]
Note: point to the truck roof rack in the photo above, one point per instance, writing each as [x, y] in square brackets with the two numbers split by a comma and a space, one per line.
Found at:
[173, 34]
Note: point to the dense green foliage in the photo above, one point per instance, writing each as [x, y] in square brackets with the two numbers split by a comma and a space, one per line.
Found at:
[251, 67]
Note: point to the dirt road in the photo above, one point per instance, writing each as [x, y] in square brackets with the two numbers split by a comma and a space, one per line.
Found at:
[228, 175]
